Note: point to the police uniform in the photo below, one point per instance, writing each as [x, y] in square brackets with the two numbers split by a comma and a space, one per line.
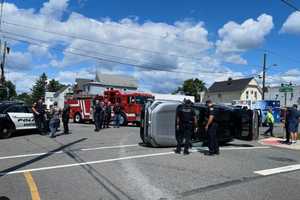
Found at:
[40, 118]
[97, 116]
[186, 116]
[213, 144]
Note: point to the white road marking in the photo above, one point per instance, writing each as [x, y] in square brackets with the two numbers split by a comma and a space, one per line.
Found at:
[85, 163]
[29, 155]
[278, 170]
[60, 152]
[111, 160]
[195, 149]
[110, 147]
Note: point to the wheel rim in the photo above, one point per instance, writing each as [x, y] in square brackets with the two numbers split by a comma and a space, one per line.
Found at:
[77, 118]
[122, 120]
[5, 131]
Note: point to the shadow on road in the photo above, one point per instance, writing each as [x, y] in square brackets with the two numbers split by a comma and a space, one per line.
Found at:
[26, 163]
[99, 178]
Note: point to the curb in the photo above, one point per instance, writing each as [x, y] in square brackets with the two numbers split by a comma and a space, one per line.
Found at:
[278, 142]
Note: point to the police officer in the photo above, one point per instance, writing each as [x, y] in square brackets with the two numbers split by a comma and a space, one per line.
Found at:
[107, 114]
[65, 118]
[39, 115]
[211, 129]
[186, 122]
[293, 120]
[286, 113]
[97, 115]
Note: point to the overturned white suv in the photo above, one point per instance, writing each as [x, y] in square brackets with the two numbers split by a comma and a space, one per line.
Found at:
[158, 124]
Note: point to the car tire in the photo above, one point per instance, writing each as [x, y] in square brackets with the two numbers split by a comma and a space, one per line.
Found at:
[77, 118]
[6, 132]
[123, 120]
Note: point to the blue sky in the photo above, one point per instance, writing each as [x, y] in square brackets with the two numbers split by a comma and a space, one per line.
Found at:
[211, 40]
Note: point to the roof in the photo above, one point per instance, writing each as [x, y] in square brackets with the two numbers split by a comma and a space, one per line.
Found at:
[80, 82]
[121, 81]
[61, 90]
[230, 85]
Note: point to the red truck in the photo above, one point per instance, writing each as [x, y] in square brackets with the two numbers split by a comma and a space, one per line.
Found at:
[131, 104]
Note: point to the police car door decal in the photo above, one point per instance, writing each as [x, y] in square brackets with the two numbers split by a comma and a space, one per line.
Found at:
[23, 120]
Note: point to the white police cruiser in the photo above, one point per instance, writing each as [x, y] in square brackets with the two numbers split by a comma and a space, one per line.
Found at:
[15, 116]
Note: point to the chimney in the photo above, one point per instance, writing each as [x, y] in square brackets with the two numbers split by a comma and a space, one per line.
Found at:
[229, 82]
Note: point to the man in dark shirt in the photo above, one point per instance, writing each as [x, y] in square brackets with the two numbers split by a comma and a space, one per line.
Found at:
[211, 129]
[97, 115]
[39, 115]
[293, 121]
[186, 122]
[117, 113]
[65, 118]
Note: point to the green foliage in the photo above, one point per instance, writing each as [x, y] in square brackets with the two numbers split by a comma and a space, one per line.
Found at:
[8, 91]
[54, 86]
[192, 87]
[25, 97]
[39, 88]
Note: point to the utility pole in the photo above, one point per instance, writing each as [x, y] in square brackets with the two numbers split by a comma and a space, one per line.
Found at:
[264, 77]
[3, 63]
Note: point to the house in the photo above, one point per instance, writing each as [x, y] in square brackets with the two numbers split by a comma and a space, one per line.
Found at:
[239, 89]
[59, 96]
[49, 99]
[103, 82]
[289, 99]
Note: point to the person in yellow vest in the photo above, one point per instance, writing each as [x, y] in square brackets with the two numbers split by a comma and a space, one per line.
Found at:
[270, 122]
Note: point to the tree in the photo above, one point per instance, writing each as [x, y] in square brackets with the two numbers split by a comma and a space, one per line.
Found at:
[192, 87]
[39, 88]
[25, 97]
[54, 86]
[8, 91]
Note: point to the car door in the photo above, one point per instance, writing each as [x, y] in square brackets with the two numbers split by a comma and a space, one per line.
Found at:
[246, 124]
[21, 117]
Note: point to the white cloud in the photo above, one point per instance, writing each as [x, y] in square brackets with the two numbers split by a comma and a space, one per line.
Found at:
[236, 59]
[292, 75]
[160, 41]
[54, 8]
[22, 80]
[19, 61]
[250, 34]
[292, 24]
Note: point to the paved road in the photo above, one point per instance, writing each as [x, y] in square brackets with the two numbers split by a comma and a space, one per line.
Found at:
[112, 165]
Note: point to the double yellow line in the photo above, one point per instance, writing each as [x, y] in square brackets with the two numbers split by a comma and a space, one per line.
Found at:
[32, 186]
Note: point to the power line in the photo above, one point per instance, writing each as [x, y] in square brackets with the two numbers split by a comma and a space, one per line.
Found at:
[101, 42]
[290, 5]
[45, 44]
[112, 61]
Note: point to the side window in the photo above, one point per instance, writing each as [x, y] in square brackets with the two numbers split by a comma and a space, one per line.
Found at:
[17, 109]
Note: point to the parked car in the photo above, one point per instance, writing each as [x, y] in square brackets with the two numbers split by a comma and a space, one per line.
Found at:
[159, 123]
[15, 116]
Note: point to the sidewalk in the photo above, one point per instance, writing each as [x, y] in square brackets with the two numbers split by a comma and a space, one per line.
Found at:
[278, 142]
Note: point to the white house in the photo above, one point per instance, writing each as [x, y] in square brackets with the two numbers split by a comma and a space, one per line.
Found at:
[59, 96]
[49, 99]
[230, 90]
[104, 81]
[291, 98]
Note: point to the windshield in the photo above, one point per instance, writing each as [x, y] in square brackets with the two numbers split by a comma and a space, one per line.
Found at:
[142, 99]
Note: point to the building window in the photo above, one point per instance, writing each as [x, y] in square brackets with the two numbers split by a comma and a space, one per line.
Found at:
[247, 94]
[252, 92]
[219, 95]
[255, 94]
[292, 95]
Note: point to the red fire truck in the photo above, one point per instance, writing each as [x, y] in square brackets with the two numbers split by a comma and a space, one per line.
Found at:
[131, 104]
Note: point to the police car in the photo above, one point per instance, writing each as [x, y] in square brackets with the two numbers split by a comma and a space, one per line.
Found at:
[14, 117]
